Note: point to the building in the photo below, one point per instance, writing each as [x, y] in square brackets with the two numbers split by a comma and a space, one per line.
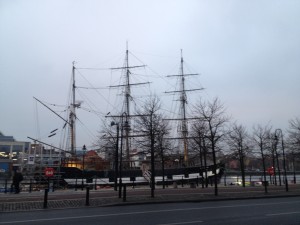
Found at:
[12, 154]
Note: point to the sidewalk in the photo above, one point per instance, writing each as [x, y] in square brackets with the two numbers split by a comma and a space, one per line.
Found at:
[61, 199]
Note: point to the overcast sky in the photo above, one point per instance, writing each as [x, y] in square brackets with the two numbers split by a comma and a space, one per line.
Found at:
[246, 52]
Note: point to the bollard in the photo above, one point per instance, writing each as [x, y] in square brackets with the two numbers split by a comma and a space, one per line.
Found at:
[197, 181]
[87, 196]
[182, 181]
[124, 193]
[76, 184]
[95, 183]
[53, 185]
[46, 198]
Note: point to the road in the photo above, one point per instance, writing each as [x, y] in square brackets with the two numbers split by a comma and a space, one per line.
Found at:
[252, 211]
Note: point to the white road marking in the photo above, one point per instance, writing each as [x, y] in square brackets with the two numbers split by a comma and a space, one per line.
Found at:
[199, 221]
[280, 214]
[145, 212]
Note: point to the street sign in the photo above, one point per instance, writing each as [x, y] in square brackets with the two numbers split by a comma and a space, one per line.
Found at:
[49, 172]
[30, 159]
[271, 171]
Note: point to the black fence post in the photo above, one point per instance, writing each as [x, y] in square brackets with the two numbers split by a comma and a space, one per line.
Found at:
[95, 183]
[182, 181]
[76, 184]
[87, 196]
[46, 198]
[124, 193]
[53, 184]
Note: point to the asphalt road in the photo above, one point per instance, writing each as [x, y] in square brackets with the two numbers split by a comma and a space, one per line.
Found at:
[252, 211]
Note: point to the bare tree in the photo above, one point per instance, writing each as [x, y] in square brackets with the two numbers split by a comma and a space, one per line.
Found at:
[261, 138]
[294, 134]
[163, 146]
[199, 146]
[107, 141]
[213, 114]
[152, 128]
[238, 141]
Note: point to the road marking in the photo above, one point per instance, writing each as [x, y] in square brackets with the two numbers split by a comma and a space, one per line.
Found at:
[199, 221]
[150, 211]
[280, 214]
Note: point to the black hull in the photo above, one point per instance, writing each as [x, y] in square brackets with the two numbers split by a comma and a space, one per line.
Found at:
[73, 173]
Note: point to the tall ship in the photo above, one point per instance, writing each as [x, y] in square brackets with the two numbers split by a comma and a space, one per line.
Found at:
[135, 144]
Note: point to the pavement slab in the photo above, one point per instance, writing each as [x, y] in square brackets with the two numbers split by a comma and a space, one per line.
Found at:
[61, 199]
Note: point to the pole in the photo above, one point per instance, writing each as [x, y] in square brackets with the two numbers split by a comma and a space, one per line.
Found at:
[72, 113]
[284, 165]
[46, 198]
[83, 175]
[152, 157]
[124, 193]
[294, 171]
[87, 196]
[276, 153]
[121, 156]
[116, 159]
[283, 155]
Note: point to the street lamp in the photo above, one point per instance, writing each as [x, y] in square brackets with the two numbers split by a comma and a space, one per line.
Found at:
[121, 151]
[279, 132]
[277, 160]
[83, 154]
[116, 155]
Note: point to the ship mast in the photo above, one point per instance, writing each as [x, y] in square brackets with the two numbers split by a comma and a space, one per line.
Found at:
[72, 115]
[183, 100]
[127, 96]
[183, 103]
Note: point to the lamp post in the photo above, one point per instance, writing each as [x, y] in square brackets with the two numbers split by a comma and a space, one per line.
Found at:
[121, 151]
[116, 155]
[279, 132]
[277, 160]
[83, 154]
[294, 171]
[152, 155]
